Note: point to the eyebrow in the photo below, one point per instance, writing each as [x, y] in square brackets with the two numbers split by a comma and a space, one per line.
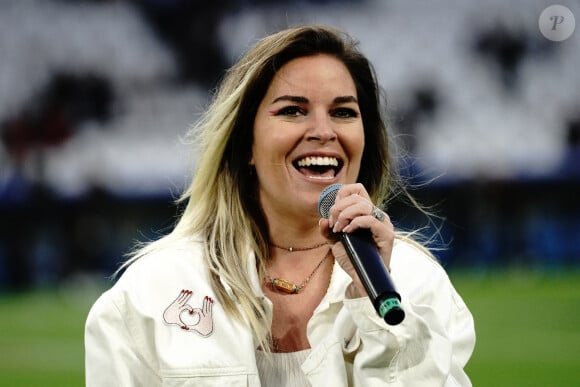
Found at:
[345, 99]
[298, 99]
[291, 98]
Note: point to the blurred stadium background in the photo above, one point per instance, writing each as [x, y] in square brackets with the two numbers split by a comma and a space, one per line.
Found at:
[96, 97]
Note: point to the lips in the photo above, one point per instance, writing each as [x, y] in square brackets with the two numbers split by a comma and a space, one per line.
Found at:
[318, 166]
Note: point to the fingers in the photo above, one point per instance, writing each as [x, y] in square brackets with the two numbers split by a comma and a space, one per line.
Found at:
[183, 296]
[325, 230]
[353, 210]
[347, 210]
[207, 305]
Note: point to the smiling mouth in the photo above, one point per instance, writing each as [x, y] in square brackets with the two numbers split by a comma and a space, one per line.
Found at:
[320, 167]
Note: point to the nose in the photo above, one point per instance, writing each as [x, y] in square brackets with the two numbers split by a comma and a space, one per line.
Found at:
[321, 128]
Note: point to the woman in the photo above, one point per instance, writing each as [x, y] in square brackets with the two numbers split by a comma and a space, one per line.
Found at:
[250, 288]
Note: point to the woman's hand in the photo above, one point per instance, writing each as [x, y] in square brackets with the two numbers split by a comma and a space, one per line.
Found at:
[353, 210]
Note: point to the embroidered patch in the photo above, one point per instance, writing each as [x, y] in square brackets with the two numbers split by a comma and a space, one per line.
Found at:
[198, 320]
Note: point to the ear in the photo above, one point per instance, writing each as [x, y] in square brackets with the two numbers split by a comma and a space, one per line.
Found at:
[252, 162]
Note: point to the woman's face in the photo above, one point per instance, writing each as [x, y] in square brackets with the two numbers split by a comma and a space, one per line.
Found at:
[308, 134]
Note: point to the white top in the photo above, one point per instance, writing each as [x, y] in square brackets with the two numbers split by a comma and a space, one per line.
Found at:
[282, 369]
[161, 324]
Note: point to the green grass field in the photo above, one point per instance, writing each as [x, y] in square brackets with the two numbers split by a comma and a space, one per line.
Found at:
[528, 328]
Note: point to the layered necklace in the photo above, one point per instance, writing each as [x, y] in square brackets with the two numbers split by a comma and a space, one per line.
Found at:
[289, 287]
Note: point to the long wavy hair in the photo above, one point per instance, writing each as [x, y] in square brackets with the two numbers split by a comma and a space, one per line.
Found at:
[221, 204]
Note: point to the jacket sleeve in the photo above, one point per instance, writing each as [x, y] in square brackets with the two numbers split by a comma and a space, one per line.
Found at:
[111, 358]
[432, 344]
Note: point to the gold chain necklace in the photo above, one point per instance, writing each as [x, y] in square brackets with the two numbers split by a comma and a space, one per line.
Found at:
[274, 341]
[292, 249]
[290, 287]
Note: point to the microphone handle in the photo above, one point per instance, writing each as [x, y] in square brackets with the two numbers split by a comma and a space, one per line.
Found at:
[374, 275]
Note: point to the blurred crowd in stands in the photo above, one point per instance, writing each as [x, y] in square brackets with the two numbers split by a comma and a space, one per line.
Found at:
[96, 98]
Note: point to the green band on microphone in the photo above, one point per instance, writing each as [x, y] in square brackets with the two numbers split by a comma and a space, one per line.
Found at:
[387, 305]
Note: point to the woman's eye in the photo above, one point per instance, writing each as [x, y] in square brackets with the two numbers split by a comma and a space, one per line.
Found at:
[291, 111]
[344, 113]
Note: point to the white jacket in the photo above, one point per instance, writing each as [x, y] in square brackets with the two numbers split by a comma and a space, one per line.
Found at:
[161, 325]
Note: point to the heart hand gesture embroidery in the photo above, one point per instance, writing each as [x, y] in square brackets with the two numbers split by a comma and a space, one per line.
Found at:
[204, 324]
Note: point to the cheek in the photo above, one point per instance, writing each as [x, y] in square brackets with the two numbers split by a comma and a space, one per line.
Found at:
[273, 143]
[354, 146]
[355, 143]
[268, 153]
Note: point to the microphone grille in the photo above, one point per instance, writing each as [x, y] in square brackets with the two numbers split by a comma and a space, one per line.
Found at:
[326, 199]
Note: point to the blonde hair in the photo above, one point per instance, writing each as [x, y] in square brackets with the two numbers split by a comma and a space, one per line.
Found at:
[222, 206]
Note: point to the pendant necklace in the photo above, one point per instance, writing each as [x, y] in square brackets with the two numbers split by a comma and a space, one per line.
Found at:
[290, 287]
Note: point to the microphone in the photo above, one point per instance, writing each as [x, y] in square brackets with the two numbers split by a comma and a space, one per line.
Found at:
[368, 264]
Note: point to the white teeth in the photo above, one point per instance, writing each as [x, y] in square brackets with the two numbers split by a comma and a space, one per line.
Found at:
[321, 161]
